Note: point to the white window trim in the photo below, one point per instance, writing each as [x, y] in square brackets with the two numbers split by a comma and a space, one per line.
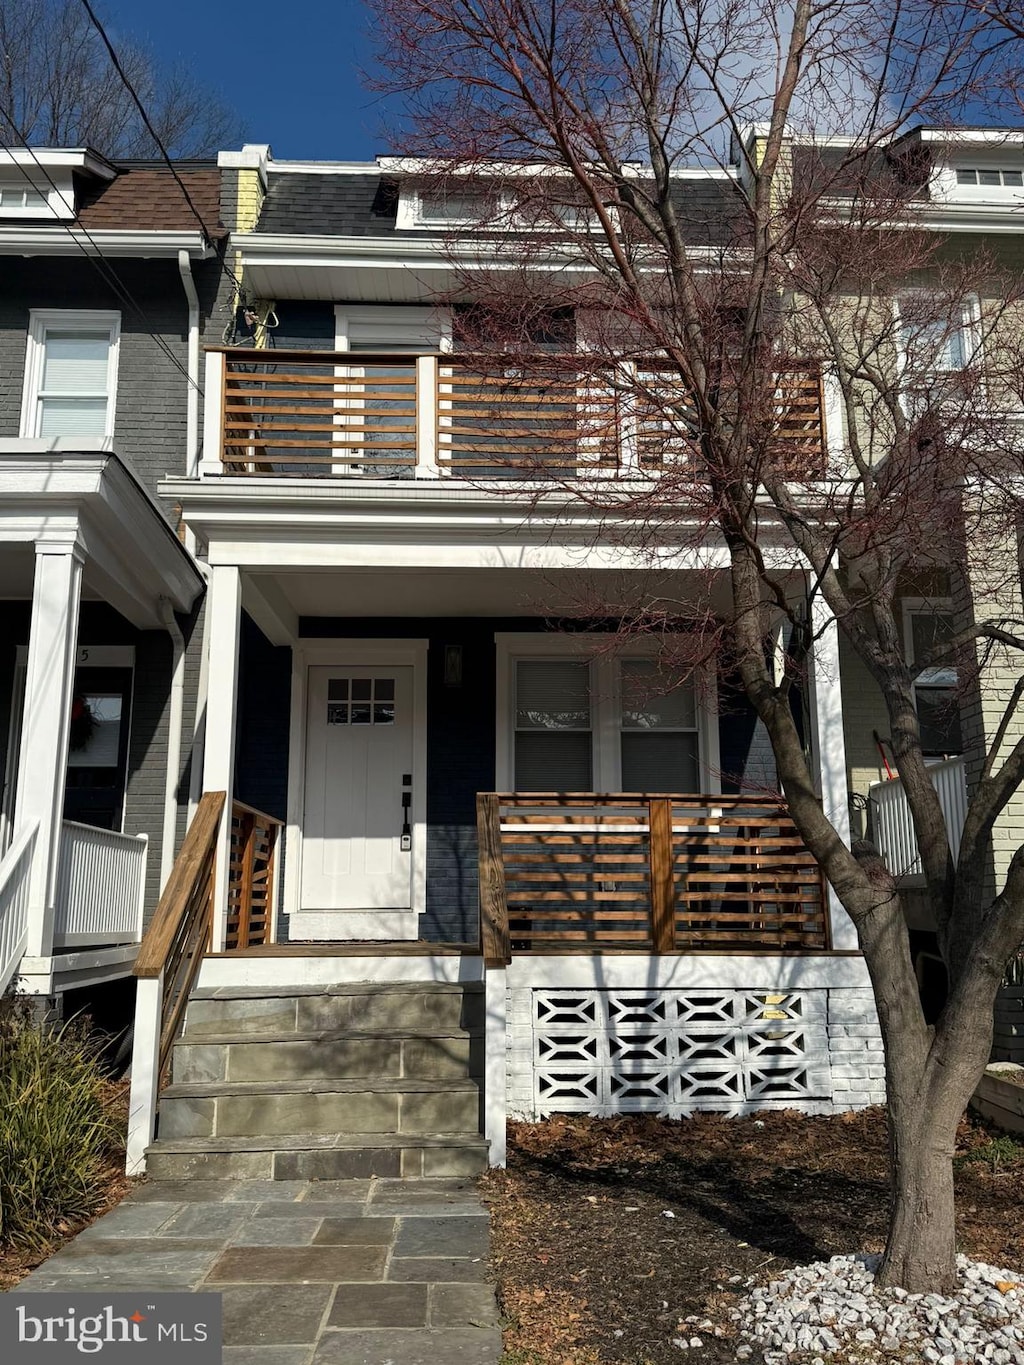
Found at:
[40, 321]
[605, 717]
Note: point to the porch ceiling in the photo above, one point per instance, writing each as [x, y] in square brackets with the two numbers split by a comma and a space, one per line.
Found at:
[481, 592]
[17, 572]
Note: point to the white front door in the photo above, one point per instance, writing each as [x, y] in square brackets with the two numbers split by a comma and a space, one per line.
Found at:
[357, 828]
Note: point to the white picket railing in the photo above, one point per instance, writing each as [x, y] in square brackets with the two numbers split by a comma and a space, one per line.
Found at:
[101, 878]
[15, 867]
[894, 828]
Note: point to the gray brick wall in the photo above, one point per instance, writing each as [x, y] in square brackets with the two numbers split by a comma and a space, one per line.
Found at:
[149, 419]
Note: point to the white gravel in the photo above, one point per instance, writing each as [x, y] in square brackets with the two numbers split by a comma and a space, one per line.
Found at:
[832, 1312]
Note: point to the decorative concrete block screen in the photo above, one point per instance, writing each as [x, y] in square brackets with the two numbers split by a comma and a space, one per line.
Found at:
[674, 1052]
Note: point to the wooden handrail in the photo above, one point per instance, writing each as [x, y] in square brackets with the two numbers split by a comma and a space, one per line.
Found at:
[179, 933]
[495, 942]
[173, 905]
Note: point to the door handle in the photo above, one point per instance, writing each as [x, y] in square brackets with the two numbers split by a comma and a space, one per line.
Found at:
[406, 839]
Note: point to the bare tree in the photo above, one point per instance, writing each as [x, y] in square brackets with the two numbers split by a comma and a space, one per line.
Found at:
[579, 116]
[59, 88]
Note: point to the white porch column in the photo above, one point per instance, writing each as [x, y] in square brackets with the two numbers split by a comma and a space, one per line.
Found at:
[223, 623]
[829, 744]
[495, 1063]
[43, 756]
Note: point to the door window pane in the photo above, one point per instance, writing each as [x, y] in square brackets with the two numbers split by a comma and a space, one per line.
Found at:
[95, 730]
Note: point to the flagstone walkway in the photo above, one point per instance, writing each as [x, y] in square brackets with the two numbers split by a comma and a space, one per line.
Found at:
[356, 1271]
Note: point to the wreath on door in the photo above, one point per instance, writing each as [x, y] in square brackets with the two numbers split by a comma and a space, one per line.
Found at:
[83, 724]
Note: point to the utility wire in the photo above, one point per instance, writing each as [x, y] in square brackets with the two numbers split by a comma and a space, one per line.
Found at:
[142, 112]
[97, 25]
[99, 262]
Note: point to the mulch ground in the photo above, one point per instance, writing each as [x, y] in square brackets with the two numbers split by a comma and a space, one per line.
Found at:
[610, 1233]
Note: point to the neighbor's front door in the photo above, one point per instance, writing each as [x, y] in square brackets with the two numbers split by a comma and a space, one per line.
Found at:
[357, 818]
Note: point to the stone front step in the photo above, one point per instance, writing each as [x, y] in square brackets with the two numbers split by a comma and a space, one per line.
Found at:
[345, 1156]
[356, 1008]
[376, 1105]
[424, 1054]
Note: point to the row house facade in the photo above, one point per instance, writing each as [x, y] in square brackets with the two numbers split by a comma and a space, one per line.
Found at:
[291, 662]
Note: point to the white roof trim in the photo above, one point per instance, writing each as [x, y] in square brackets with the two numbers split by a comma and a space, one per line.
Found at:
[60, 158]
[67, 239]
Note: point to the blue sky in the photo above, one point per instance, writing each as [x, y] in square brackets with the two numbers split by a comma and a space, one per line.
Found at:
[290, 69]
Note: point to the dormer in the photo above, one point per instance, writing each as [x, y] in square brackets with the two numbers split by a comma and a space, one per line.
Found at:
[983, 167]
[43, 184]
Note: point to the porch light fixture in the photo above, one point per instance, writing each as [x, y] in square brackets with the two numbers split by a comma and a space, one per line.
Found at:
[453, 665]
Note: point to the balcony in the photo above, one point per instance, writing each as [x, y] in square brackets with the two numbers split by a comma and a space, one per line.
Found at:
[321, 414]
[893, 827]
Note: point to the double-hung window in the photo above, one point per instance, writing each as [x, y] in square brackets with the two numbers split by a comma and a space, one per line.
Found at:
[927, 626]
[70, 374]
[934, 343]
[603, 723]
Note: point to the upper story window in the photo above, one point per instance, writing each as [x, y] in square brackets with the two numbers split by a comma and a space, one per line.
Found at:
[510, 208]
[927, 626]
[24, 197]
[70, 374]
[935, 341]
[989, 179]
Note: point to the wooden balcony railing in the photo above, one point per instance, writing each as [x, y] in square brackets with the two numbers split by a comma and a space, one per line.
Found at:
[654, 874]
[314, 414]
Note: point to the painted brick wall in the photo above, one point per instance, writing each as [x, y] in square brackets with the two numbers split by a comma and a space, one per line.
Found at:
[149, 422]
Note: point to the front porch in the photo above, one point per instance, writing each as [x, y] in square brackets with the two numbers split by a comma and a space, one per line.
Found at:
[91, 572]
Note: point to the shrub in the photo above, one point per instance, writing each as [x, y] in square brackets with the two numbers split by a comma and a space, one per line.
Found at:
[58, 1127]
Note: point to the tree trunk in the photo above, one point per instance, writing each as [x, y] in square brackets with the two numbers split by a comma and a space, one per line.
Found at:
[920, 1254]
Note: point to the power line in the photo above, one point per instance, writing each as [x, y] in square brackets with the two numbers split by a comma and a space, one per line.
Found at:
[142, 112]
[116, 61]
[99, 262]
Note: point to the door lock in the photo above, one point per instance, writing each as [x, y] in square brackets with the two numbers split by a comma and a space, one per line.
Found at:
[405, 843]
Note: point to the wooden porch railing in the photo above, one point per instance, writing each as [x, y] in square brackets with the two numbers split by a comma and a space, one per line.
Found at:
[315, 414]
[656, 874]
[254, 837]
